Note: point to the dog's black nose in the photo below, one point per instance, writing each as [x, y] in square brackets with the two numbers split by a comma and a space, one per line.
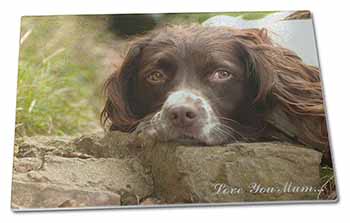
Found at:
[182, 116]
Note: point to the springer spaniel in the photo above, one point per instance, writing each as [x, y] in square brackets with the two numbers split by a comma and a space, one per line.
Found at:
[215, 85]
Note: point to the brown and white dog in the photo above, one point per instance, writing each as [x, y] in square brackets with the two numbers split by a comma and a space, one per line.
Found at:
[213, 85]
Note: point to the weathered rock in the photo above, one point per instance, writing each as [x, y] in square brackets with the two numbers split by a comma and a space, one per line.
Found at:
[227, 173]
[112, 144]
[38, 145]
[89, 182]
[28, 195]
[120, 169]
[25, 165]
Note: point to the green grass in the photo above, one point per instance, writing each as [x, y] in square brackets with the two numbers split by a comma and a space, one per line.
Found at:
[49, 104]
[57, 76]
[327, 183]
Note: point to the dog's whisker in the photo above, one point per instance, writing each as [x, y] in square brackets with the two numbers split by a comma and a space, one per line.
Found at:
[225, 133]
[220, 135]
[234, 131]
[229, 137]
[143, 127]
[229, 120]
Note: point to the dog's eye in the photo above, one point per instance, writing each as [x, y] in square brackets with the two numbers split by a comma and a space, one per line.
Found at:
[220, 76]
[156, 78]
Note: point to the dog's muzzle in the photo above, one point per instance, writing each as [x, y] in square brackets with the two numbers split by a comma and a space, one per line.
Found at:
[186, 116]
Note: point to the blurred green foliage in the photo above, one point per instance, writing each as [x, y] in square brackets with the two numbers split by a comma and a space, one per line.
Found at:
[57, 76]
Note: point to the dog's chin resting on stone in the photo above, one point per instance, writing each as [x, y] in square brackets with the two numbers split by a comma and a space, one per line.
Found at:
[214, 85]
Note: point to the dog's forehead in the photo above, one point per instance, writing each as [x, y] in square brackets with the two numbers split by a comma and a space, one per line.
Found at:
[202, 46]
[193, 38]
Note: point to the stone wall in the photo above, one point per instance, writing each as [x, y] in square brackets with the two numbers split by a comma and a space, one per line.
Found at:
[116, 169]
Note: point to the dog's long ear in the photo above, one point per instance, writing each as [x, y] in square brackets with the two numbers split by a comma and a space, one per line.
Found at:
[116, 112]
[259, 72]
[279, 75]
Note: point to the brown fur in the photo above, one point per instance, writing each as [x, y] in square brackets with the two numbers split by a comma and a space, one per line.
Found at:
[278, 74]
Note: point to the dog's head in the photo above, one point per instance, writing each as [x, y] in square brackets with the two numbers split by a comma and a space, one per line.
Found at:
[207, 85]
